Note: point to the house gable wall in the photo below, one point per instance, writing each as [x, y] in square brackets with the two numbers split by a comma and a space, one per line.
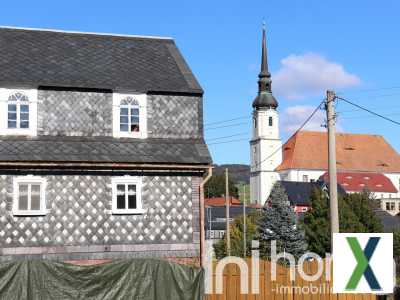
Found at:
[90, 113]
[79, 219]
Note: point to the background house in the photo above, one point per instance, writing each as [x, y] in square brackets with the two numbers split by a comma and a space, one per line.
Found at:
[221, 201]
[379, 185]
[215, 220]
[299, 193]
[102, 150]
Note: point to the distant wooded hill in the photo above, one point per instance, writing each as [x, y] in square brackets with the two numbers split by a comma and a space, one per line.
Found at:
[238, 173]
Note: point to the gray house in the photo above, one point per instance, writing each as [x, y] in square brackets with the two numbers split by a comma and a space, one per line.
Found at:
[101, 147]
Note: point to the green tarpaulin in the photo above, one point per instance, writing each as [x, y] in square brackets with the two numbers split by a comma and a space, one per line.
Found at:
[143, 279]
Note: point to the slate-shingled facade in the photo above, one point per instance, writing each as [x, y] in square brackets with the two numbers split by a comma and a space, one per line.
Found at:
[101, 147]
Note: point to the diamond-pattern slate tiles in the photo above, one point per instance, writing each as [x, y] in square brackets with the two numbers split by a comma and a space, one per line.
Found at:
[79, 214]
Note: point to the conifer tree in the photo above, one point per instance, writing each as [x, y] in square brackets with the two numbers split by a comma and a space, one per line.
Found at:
[236, 235]
[278, 222]
[356, 214]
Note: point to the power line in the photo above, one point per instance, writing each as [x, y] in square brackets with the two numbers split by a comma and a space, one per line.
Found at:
[370, 111]
[226, 121]
[227, 136]
[371, 90]
[230, 141]
[378, 108]
[375, 108]
[280, 148]
[206, 125]
[225, 126]
[367, 117]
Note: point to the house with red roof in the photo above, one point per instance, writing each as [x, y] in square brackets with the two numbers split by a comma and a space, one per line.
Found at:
[221, 201]
[378, 184]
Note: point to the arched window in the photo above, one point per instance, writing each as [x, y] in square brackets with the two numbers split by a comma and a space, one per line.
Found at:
[18, 111]
[129, 115]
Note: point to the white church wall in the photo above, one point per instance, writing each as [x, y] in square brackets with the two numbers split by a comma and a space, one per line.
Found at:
[266, 124]
[395, 178]
[301, 175]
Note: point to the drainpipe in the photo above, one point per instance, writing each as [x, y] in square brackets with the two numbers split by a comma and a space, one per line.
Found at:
[202, 214]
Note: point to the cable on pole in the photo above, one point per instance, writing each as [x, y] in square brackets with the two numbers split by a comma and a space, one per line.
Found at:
[369, 111]
[280, 148]
[227, 136]
[226, 121]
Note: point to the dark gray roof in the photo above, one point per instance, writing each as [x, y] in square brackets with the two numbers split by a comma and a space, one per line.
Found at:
[299, 192]
[216, 214]
[103, 150]
[388, 221]
[81, 60]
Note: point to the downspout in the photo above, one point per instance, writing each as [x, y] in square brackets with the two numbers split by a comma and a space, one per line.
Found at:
[202, 214]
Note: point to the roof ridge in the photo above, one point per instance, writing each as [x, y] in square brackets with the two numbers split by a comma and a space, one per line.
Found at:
[87, 33]
[340, 133]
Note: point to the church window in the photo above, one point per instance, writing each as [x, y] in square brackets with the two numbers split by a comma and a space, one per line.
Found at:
[270, 121]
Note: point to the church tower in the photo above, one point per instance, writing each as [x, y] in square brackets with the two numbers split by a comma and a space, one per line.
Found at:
[265, 145]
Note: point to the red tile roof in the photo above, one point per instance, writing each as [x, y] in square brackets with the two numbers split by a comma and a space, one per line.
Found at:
[358, 181]
[354, 152]
[220, 201]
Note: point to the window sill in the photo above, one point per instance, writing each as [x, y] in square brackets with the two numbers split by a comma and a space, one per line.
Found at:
[129, 212]
[131, 135]
[18, 131]
[29, 213]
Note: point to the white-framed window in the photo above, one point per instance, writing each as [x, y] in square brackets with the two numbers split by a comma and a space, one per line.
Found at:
[127, 195]
[305, 178]
[390, 206]
[18, 111]
[29, 196]
[130, 115]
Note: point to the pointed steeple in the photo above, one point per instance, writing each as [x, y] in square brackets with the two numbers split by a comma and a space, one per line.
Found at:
[264, 63]
[265, 99]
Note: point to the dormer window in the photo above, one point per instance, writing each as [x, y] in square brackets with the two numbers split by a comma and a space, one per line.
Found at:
[129, 115]
[19, 112]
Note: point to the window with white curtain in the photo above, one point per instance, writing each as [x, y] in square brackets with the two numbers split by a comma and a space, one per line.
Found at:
[127, 195]
[29, 193]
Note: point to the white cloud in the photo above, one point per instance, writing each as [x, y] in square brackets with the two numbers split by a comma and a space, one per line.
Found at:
[294, 116]
[310, 74]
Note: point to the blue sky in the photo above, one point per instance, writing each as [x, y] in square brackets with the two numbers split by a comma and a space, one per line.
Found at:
[351, 46]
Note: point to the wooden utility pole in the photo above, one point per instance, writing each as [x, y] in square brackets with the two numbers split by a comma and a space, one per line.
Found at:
[333, 197]
[244, 221]
[227, 206]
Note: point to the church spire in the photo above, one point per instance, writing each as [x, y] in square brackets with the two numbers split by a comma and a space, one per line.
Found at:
[264, 63]
[265, 99]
